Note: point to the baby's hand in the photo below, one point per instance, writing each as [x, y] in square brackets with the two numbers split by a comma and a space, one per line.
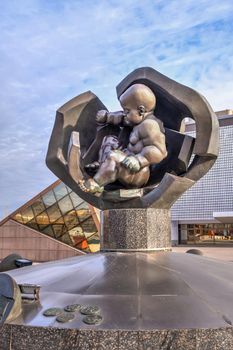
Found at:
[101, 116]
[132, 164]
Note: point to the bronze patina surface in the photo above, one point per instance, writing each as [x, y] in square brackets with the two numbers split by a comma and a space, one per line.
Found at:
[135, 290]
[90, 310]
[65, 317]
[10, 299]
[140, 143]
[93, 319]
[160, 300]
[73, 307]
[98, 153]
[53, 311]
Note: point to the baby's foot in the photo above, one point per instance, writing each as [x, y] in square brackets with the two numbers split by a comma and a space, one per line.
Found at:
[90, 186]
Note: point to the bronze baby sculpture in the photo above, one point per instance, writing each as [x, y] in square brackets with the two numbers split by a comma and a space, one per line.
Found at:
[141, 142]
[138, 157]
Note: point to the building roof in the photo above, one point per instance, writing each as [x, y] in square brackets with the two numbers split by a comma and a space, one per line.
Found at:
[225, 118]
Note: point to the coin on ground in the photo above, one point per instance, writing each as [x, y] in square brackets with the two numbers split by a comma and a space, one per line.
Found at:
[65, 317]
[89, 310]
[72, 308]
[92, 319]
[53, 311]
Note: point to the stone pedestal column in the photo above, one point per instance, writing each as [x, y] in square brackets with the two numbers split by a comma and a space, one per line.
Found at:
[135, 229]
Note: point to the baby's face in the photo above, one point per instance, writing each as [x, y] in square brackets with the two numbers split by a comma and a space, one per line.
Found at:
[133, 116]
[137, 100]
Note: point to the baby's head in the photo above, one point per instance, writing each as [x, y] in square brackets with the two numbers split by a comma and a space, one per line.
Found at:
[136, 101]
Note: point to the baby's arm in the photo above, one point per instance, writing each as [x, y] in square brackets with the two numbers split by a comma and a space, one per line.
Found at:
[115, 118]
[154, 145]
[150, 155]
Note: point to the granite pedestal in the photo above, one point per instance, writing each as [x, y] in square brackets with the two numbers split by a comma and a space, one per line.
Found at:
[135, 229]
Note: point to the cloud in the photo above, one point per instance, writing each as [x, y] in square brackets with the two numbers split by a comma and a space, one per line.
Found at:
[51, 51]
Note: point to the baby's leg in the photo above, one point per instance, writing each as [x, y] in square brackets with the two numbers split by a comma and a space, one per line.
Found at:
[108, 170]
[107, 173]
[109, 144]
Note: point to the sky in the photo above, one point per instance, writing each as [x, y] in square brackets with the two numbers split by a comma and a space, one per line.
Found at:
[53, 50]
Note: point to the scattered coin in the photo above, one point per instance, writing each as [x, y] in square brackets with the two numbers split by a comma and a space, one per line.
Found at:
[90, 310]
[73, 307]
[65, 317]
[53, 311]
[93, 319]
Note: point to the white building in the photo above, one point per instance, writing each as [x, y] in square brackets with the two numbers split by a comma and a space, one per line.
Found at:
[204, 214]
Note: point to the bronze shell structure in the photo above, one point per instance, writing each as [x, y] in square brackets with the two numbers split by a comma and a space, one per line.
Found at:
[76, 139]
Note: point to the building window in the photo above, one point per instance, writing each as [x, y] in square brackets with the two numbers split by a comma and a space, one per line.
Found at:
[63, 215]
[209, 233]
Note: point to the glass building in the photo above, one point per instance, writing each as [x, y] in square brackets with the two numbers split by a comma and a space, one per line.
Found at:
[61, 214]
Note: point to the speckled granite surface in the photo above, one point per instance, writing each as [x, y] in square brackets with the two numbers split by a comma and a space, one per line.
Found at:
[15, 337]
[136, 229]
[5, 335]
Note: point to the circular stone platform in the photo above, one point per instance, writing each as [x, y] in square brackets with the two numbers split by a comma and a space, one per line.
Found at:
[148, 301]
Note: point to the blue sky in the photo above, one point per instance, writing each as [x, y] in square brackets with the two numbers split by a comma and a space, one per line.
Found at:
[52, 50]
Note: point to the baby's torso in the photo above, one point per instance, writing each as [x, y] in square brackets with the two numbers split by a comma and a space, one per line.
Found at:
[147, 133]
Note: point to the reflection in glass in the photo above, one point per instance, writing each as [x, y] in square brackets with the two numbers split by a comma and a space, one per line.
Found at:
[54, 213]
[48, 231]
[66, 239]
[77, 236]
[33, 225]
[83, 205]
[49, 199]
[83, 245]
[65, 205]
[18, 217]
[41, 227]
[71, 219]
[38, 206]
[68, 189]
[60, 191]
[89, 227]
[94, 242]
[59, 230]
[209, 233]
[27, 215]
[42, 219]
[60, 220]
[83, 214]
[75, 199]
[76, 231]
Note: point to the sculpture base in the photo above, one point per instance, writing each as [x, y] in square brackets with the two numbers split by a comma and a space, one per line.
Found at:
[148, 302]
[135, 229]
[15, 337]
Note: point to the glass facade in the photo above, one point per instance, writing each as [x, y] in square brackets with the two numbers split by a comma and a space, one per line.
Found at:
[64, 216]
[209, 233]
